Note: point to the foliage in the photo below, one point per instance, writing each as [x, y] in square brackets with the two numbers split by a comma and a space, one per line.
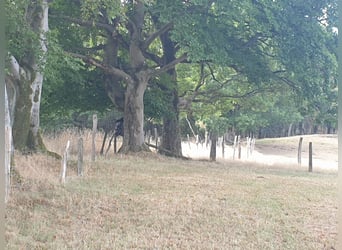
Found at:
[22, 41]
[241, 58]
[216, 124]
[283, 43]
[157, 97]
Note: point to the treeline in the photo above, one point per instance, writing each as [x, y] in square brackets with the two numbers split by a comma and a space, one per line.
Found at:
[258, 68]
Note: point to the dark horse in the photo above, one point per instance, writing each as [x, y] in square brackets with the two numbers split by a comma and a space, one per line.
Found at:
[118, 131]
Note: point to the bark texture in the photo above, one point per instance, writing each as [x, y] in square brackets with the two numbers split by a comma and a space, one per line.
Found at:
[113, 85]
[25, 83]
[8, 147]
[133, 140]
[132, 74]
[171, 139]
[213, 138]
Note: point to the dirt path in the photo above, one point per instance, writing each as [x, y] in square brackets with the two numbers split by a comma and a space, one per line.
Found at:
[278, 151]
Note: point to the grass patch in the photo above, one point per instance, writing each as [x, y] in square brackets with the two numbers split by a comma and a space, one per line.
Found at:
[152, 202]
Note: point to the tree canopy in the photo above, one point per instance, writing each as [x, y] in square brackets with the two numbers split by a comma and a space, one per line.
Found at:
[248, 65]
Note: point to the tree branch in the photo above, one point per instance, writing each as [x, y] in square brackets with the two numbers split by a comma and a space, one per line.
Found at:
[107, 68]
[81, 22]
[201, 81]
[170, 65]
[214, 96]
[159, 32]
[287, 81]
[95, 48]
[212, 72]
[14, 67]
[153, 57]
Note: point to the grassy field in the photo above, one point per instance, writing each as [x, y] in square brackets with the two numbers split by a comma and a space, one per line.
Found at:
[153, 202]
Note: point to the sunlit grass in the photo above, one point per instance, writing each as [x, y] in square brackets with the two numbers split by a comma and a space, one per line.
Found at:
[153, 202]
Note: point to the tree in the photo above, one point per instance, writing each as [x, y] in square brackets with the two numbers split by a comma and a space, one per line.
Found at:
[136, 41]
[8, 147]
[216, 125]
[125, 30]
[171, 139]
[26, 61]
[64, 77]
[266, 54]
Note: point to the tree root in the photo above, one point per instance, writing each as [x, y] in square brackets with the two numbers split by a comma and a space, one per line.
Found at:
[167, 152]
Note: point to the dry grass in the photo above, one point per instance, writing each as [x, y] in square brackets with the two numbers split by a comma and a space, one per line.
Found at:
[152, 202]
[324, 146]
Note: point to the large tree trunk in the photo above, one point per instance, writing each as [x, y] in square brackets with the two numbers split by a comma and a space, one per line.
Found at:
[8, 146]
[133, 140]
[113, 85]
[135, 75]
[171, 139]
[26, 81]
[213, 138]
[20, 100]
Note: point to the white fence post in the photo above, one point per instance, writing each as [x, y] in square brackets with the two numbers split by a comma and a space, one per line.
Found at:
[93, 150]
[234, 147]
[8, 147]
[65, 162]
[80, 157]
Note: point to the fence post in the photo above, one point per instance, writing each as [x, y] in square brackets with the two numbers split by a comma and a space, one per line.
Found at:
[8, 147]
[300, 151]
[310, 156]
[156, 137]
[65, 162]
[234, 147]
[239, 146]
[206, 139]
[223, 147]
[115, 145]
[93, 137]
[252, 145]
[213, 138]
[80, 157]
[149, 136]
[248, 146]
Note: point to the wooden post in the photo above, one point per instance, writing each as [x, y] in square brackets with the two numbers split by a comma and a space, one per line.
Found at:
[213, 138]
[93, 137]
[8, 147]
[65, 162]
[310, 156]
[289, 131]
[206, 139]
[80, 157]
[149, 137]
[103, 142]
[115, 145]
[156, 137]
[234, 147]
[252, 145]
[109, 144]
[300, 151]
[189, 123]
[248, 145]
[239, 147]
